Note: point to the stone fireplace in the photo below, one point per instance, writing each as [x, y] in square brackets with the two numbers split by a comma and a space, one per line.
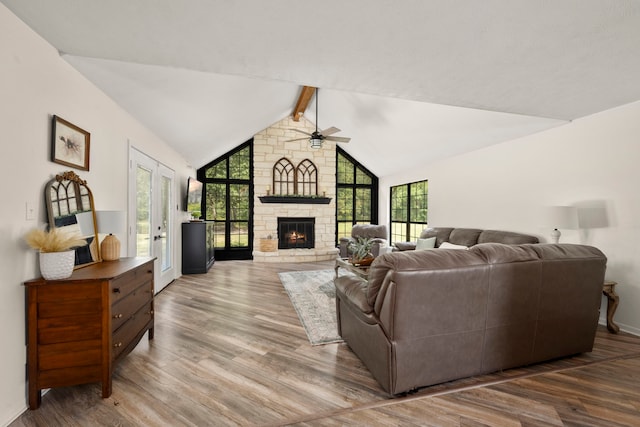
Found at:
[269, 146]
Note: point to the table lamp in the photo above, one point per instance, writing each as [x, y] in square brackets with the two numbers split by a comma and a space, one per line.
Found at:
[561, 217]
[110, 222]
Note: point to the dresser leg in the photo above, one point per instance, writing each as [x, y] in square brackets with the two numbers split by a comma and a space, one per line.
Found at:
[106, 388]
[35, 398]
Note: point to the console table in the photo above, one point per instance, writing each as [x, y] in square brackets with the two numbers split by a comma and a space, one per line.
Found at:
[79, 327]
[609, 290]
[357, 270]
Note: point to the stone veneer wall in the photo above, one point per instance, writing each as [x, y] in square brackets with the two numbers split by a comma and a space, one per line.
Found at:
[269, 146]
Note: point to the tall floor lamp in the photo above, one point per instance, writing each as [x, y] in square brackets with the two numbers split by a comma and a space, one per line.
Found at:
[561, 217]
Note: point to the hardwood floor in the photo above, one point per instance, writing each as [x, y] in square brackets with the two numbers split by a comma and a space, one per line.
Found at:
[229, 350]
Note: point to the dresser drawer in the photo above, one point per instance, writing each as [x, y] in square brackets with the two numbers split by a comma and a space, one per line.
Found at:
[128, 282]
[70, 329]
[70, 354]
[127, 306]
[125, 335]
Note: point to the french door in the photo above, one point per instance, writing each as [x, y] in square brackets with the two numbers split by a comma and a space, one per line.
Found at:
[151, 219]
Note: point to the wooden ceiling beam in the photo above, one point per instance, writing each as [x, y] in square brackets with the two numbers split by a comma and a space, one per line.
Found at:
[303, 101]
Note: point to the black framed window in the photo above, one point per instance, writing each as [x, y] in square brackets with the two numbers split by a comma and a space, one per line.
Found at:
[356, 195]
[409, 211]
[228, 201]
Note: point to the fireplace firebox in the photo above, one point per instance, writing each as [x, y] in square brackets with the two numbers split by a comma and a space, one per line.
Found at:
[295, 233]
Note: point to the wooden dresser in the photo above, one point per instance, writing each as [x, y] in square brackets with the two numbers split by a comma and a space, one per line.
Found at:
[79, 327]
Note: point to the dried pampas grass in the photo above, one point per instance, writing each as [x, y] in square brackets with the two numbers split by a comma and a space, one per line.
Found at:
[53, 240]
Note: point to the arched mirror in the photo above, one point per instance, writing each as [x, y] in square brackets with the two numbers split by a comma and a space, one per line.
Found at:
[70, 206]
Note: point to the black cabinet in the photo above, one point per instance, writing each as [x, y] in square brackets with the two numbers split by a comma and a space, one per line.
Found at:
[197, 247]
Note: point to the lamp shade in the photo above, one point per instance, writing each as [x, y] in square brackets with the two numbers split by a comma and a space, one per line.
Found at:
[563, 217]
[110, 222]
[315, 142]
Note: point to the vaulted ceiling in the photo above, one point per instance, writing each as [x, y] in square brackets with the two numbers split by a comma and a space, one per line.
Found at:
[410, 82]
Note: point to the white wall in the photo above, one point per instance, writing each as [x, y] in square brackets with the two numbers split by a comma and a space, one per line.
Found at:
[36, 83]
[592, 163]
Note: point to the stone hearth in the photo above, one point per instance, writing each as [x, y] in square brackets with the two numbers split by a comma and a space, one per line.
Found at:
[269, 146]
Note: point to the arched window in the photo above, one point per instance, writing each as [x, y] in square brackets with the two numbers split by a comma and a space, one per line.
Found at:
[306, 178]
[284, 179]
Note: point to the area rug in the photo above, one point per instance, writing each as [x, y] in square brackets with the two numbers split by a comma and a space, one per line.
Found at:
[313, 295]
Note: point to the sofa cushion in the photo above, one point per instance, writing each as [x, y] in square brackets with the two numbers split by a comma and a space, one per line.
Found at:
[464, 236]
[447, 245]
[441, 234]
[423, 244]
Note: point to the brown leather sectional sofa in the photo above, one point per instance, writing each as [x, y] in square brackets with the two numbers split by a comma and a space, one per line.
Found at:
[468, 237]
[429, 316]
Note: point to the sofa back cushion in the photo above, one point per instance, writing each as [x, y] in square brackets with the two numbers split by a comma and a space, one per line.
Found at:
[440, 233]
[369, 230]
[506, 237]
[473, 236]
[464, 236]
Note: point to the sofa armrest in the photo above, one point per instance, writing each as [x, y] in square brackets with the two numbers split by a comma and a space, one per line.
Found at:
[405, 246]
[344, 246]
[352, 289]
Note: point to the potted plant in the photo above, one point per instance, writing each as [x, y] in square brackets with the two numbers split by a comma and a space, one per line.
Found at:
[360, 250]
[56, 251]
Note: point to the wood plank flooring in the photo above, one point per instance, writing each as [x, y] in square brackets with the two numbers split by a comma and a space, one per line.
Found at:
[229, 350]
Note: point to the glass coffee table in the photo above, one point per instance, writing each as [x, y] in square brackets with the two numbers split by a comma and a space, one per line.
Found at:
[359, 271]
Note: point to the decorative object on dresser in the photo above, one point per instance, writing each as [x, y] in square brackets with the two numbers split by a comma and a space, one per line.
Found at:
[70, 209]
[80, 327]
[197, 246]
[56, 250]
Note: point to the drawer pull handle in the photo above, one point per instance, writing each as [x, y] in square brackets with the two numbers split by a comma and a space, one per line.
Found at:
[116, 290]
[150, 312]
[117, 316]
[118, 345]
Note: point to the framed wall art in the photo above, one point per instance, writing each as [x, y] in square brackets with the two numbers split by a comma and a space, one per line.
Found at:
[69, 144]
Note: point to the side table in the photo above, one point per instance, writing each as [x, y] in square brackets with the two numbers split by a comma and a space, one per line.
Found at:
[609, 290]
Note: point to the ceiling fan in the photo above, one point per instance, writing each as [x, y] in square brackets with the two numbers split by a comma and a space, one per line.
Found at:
[315, 138]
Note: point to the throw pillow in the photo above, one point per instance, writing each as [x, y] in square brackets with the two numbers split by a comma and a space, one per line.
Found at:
[447, 245]
[424, 244]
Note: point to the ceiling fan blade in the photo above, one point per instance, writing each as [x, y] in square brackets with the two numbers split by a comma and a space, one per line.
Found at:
[338, 139]
[301, 131]
[330, 131]
[297, 139]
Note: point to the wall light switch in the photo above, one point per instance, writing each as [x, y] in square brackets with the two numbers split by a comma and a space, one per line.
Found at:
[30, 211]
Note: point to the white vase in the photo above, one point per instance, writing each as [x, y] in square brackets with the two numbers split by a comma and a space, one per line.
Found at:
[57, 265]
